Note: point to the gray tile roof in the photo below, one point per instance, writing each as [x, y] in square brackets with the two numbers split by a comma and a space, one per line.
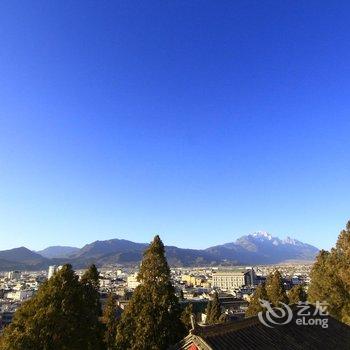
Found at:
[249, 334]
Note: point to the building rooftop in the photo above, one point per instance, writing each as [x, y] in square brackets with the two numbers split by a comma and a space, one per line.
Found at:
[230, 272]
[249, 333]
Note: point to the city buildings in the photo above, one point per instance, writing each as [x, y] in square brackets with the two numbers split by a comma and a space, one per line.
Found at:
[14, 275]
[232, 279]
[52, 270]
[132, 281]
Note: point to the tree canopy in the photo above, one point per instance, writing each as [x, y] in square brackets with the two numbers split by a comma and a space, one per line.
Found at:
[254, 306]
[297, 294]
[151, 320]
[111, 316]
[213, 311]
[330, 278]
[56, 318]
[276, 292]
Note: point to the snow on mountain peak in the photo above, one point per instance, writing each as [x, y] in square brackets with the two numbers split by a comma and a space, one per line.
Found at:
[262, 234]
[291, 241]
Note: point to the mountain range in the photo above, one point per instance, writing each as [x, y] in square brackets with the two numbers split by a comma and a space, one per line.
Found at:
[255, 248]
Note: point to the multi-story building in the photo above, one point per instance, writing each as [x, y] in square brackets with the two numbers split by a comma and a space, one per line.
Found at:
[192, 280]
[52, 270]
[232, 279]
[20, 294]
[14, 275]
[132, 281]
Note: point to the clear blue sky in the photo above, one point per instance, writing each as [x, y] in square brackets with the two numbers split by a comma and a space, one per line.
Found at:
[198, 120]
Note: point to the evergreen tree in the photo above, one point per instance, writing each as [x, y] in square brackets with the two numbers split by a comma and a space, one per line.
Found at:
[330, 278]
[91, 277]
[276, 292]
[254, 306]
[186, 316]
[342, 259]
[90, 282]
[151, 320]
[111, 316]
[213, 310]
[54, 319]
[296, 294]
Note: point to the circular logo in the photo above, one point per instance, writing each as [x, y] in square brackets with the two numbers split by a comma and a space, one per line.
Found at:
[274, 316]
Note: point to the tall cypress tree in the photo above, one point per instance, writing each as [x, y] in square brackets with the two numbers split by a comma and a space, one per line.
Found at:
[276, 292]
[54, 319]
[186, 316]
[254, 306]
[90, 282]
[151, 320]
[213, 310]
[111, 316]
[330, 278]
[341, 258]
[208, 312]
[296, 294]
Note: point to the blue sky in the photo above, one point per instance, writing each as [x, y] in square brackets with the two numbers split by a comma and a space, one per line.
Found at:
[198, 120]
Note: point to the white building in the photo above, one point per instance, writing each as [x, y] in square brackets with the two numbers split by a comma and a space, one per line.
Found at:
[20, 295]
[132, 281]
[232, 279]
[14, 275]
[104, 282]
[52, 270]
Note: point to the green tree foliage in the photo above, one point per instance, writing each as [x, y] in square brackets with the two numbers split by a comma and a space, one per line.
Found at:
[91, 303]
[91, 277]
[276, 292]
[54, 319]
[330, 278]
[111, 316]
[296, 294]
[186, 316]
[213, 310]
[254, 305]
[151, 320]
[90, 281]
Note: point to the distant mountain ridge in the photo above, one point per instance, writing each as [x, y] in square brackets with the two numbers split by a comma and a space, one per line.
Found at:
[263, 248]
[58, 251]
[255, 248]
[21, 258]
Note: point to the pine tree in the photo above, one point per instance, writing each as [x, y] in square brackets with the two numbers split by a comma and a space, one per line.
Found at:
[186, 316]
[296, 295]
[54, 319]
[111, 316]
[91, 277]
[330, 278]
[254, 306]
[213, 310]
[90, 282]
[276, 292]
[151, 320]
[342, 259]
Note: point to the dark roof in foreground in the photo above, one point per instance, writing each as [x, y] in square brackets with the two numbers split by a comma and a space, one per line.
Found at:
[250, 333]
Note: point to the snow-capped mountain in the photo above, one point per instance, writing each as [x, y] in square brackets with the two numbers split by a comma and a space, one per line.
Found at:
[262, 247]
